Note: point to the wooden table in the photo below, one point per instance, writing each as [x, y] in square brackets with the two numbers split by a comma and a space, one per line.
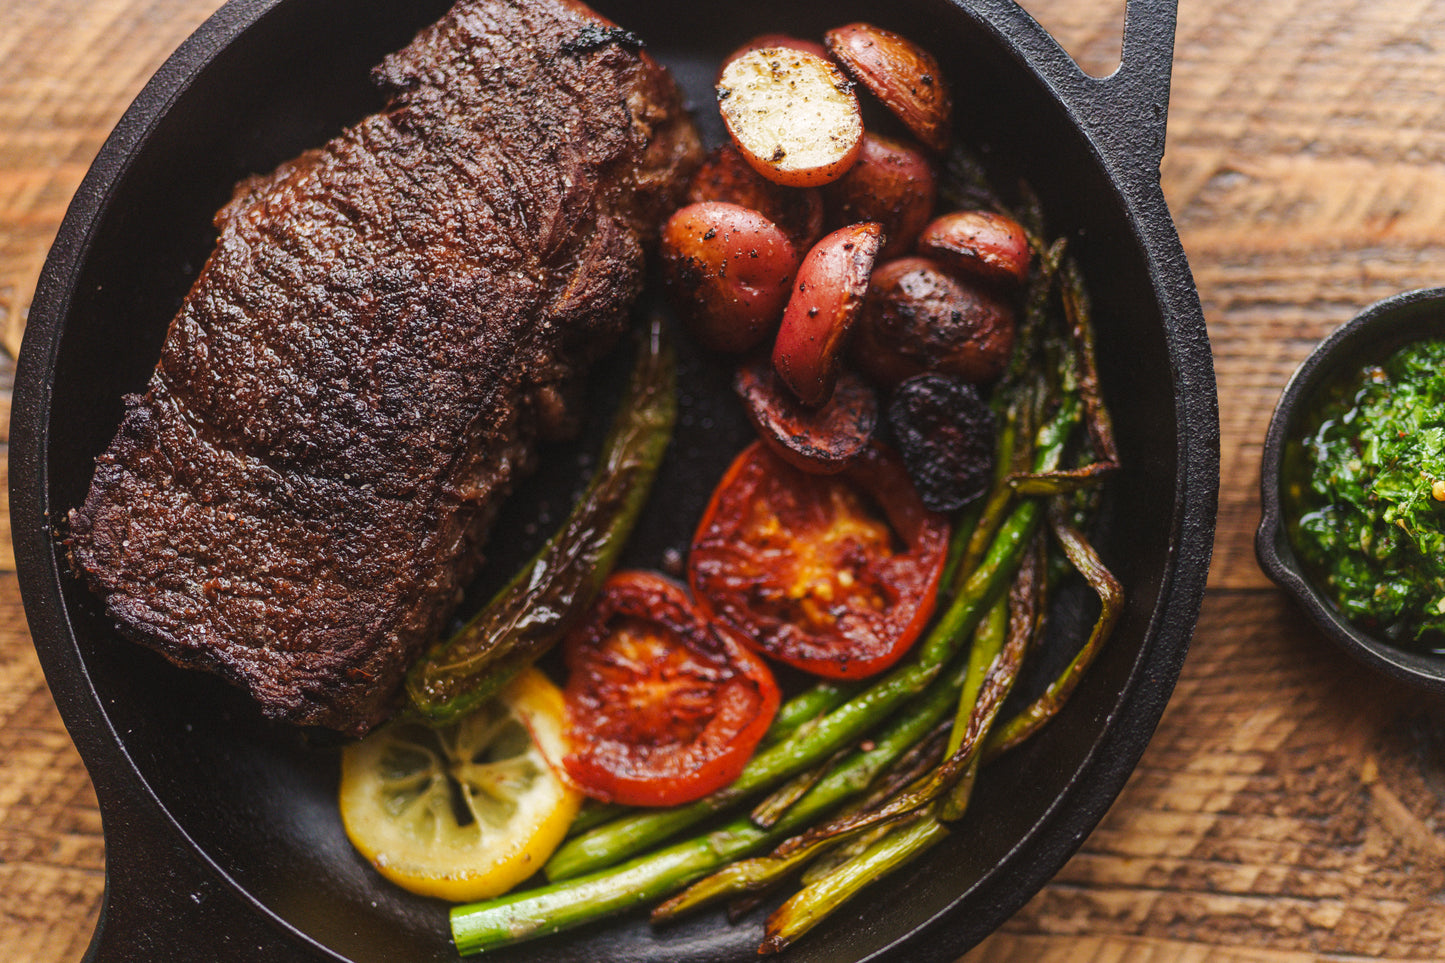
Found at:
[1290, 806]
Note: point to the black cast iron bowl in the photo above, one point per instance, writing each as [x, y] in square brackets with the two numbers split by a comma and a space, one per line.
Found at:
[1371, 337]
[222, 838]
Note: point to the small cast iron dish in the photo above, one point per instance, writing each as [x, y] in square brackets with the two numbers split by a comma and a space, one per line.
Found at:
[1373, 335]
[222, 837]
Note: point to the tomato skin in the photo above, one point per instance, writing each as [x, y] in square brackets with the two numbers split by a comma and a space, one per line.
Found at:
[662, 706]
[799, 567]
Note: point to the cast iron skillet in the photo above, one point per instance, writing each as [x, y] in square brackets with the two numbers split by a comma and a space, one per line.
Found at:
[222, 836]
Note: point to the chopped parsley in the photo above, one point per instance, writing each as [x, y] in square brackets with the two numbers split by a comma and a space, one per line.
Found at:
[1366, 489]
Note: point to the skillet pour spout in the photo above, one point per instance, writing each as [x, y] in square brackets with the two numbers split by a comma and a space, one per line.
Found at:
[222, 837]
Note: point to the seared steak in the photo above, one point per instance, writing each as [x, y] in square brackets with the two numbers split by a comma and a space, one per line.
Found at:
[359, 374]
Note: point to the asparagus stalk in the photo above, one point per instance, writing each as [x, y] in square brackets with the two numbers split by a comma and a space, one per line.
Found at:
[988, 641]
[1111, 598]
[594, 813]
[972, 540]
[812, 904]
[823, 697]
[753, 876]
[771, 809]
[1026, 619]
[561, 905]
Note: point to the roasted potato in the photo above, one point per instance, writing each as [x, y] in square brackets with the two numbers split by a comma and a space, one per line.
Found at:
[981, 244]
[901, 74]
[725, 176]
[728, 272]
[792, 114]
[820, 441]
[891, 183]
[919, 318]
[829, 292]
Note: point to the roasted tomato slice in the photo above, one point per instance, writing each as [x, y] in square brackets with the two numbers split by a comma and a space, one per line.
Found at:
[662, 706]
[833, 574]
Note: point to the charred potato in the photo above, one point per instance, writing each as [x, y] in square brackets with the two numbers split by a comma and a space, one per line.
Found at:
[919, 318]
[777, 40]
[891, 183]
[725, 176]
[820, 441]
[902, 75]
[981, 244]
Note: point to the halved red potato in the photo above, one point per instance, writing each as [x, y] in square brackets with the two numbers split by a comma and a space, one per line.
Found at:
[892, 183]
[725, 176]
[919, 318]
[831, 284]
[820, 441]
[979, 244]
[728, 271]
[776, 40]
[901, 74]
[792, 114]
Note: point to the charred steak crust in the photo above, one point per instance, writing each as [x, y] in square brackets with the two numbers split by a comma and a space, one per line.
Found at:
[358, 375]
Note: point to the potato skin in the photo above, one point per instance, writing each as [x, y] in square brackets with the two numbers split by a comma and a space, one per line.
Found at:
[892, 183]
[902, 75]
[725, 176]
[831, 284]
[918, 318]
[792, 115]
[820, 441]
[728, 272]
[980, 244]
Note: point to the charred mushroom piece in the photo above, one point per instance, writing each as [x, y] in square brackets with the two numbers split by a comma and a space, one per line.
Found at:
[945, 431]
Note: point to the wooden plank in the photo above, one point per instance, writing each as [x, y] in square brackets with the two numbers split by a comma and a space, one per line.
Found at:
[1288, 802]
[1009, 948]
[7, 546]
[68, 69]
[1303, 172]
[52, 855]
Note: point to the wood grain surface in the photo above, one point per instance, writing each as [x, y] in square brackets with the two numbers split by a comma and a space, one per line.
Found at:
[1289, 808]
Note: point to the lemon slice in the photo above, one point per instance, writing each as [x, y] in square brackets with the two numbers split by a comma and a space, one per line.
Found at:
[465, 812]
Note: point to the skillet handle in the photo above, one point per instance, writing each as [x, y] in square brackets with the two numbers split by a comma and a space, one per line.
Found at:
[1126, 112]
[160, 904]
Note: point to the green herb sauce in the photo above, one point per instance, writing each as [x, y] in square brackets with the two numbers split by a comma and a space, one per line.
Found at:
[1365, 487]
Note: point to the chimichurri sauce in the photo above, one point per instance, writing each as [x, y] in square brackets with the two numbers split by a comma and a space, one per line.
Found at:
[1365, 490]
